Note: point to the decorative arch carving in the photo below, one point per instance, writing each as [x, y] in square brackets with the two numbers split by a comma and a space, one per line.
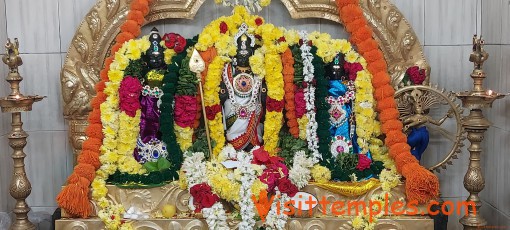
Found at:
[94, 37]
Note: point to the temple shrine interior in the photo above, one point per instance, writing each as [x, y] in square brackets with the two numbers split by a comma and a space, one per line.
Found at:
[254, 114]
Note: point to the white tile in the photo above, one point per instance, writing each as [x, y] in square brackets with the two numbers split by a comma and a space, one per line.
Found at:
[3, 26]
[501, 168]
[491, 21]
[451, 179]
[478, 16]
[450, 66]
[335, 29]
[504, 104]
[47, 165]
[280, 16]
[71, 13]
[41, 73]
[494, 217]
[414, 12]
[490, 158]
[493, 68]
[451, 22]
[505, 20]
[190, 28]
[35, 23]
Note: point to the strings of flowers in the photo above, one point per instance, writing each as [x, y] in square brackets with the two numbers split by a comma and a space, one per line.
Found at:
[299, 95]
[252, 5]
[288, 78]
[421, 184]
[293, 67]
[120, 129]
[73, 198]
[309, 96]
[249, 175]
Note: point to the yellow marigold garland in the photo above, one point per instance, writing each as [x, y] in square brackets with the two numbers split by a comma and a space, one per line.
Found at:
[120, 134]
[266, 63]
[183, 137]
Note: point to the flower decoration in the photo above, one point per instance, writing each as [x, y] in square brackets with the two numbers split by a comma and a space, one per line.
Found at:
[363, 162]
[174, 42]
[203, 196]
[129, 92]
[352, 69]
[287, 187]
[421, 184]
[300, 172]
[223, 27]
[216, 217]
[72, 197]
[248, 177]
[218, 44]
[185, 109]
[321, 174]
[415, 75]
[252, 5]
[275, 218]
[259, 21]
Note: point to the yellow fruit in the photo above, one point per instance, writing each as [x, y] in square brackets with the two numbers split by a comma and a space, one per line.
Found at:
[169, 211]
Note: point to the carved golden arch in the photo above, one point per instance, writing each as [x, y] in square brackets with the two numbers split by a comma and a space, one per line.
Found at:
[95, 35]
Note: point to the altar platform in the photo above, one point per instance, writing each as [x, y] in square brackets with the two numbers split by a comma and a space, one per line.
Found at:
[151, 200]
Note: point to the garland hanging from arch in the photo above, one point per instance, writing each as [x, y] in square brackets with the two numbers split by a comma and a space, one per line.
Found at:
[421, 184]
[72, 197]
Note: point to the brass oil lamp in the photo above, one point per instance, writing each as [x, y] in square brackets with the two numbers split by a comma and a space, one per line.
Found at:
[475, 125]
[15, 103]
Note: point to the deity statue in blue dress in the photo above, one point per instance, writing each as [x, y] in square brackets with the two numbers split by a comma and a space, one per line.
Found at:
[341, 95]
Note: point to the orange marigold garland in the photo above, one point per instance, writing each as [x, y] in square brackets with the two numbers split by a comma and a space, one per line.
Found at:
[74, 196]
[421, 184]
[288, 78]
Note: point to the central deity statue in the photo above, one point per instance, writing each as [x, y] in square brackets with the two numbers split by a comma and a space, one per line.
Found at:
[242, 95]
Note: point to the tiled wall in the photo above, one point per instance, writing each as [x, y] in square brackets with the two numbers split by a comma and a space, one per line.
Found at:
[445, 28]
[5, 170]
[496, 29]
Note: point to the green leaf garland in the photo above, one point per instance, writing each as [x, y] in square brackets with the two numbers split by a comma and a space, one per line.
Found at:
[175, 155]
[322, 107]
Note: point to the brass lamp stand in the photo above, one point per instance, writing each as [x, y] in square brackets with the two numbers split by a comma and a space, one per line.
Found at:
[475, 125]
[16, 103]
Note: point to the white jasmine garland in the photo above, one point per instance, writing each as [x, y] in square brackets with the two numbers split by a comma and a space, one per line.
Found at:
[248, 176]
[251, 5]
[275, 220]
[300, 172]
[215, 217]
[194, 168]
[309, 93]
[227, 153]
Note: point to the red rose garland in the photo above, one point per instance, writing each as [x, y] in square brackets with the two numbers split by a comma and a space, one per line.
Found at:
[421, 184]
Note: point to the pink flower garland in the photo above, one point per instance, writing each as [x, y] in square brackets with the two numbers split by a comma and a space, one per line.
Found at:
[185, 110]
[129, 94]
